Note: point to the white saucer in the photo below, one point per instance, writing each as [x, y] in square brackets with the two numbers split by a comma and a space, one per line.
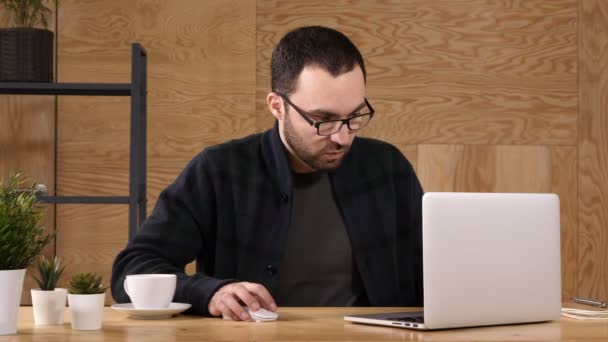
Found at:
[172, 310]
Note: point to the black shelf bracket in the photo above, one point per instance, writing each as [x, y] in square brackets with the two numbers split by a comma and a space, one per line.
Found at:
[80, 89]
[137, 90]
[85, 199]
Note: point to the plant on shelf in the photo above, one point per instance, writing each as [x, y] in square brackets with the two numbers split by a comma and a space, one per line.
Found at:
[48, 301]
[21, 240]
[27, 13]
[86, 298]
[27, 51]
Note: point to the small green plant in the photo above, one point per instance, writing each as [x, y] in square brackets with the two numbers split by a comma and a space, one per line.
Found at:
[27, 13]
[86, 283]
[49, 272]
[21, 239]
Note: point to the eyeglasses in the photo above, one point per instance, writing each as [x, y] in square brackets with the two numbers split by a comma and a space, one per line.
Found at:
[329, 127]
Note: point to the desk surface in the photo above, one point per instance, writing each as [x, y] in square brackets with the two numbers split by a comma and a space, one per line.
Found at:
[296, 324]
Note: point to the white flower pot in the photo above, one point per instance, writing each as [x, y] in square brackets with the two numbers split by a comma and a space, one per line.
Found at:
[48, 306]
[11, 285]
[86, 310]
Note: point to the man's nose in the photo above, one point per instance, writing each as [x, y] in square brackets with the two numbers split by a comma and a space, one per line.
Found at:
[342, 136]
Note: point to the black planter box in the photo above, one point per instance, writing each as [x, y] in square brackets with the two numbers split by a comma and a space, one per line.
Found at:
[26, 55]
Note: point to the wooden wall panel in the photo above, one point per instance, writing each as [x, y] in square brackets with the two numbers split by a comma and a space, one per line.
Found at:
[593, 149]
[480, 95]
[200, 76]
[494, 83]
[92, 238]
[93, 146]
[27, 144]
[201, 83]
[449, 71]
[477, 168]
[564, 169]
[27, 137]
[92, 135]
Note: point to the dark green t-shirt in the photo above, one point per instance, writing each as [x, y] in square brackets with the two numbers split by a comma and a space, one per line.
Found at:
[317, 267]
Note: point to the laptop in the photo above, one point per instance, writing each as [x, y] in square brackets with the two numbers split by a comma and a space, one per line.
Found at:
[488, 259]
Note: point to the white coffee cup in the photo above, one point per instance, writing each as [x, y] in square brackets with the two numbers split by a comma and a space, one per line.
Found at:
[150, 291]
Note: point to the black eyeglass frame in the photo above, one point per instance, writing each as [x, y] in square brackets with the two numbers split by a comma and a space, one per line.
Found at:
[346, 121]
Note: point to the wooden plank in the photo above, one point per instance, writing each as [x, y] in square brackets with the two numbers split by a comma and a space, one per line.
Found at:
[93, 146]
[91, 239]
[449, 71]
[438, 167]
[304, 323]
[593, 150]
[477, 168]
[27, 144]
[564, 163]
[201, 83]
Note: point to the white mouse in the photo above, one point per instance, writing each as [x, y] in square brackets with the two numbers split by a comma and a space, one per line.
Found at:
[262, 315]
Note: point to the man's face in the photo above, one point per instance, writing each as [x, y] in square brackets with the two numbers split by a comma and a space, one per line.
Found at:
[322, 97]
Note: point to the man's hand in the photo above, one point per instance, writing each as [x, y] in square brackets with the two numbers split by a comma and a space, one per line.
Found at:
[229, 300]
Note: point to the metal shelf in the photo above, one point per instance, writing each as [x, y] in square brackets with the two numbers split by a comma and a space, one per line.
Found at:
[85, 199]
[137, 90]
[89, 89]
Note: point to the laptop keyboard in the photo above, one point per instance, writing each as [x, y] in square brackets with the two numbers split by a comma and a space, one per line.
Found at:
[414, 319]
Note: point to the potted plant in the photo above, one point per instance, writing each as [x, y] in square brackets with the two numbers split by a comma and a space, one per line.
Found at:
[26, 52]
[48, 301]
[21, 239]
[86, 296]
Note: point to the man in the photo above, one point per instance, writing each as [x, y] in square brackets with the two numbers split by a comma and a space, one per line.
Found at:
[302, 215]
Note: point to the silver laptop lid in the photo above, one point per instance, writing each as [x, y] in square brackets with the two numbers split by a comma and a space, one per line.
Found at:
[490, 258]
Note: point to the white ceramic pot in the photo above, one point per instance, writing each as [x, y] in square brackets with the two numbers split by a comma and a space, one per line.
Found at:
[49, 306]
[11, 285]
[86, 311]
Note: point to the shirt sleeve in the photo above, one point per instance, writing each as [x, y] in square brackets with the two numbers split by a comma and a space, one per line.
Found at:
[173, 236]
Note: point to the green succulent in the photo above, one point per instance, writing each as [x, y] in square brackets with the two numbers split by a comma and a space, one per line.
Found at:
[27, 13]
[21, 239]
[86, 283]
[49, 272]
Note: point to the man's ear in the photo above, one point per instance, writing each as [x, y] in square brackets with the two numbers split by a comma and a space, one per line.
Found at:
[275, 104]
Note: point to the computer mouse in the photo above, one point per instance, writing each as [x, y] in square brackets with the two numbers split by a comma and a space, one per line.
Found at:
[262, 315]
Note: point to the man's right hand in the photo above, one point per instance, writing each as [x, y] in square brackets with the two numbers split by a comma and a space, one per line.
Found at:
[229, 299]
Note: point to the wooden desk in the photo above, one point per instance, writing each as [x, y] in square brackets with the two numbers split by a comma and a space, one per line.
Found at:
[296, 324]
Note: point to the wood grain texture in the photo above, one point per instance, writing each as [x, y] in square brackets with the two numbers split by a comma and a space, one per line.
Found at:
[476, 168]
[93, 146]
[299, 324]
[201, 82]
[593, 149]
[449, 71]
[91, 239]
[564, 169]
[27, 144]
[480, 95]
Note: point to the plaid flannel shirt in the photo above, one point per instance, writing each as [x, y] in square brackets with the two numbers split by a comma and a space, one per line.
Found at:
[230, 209]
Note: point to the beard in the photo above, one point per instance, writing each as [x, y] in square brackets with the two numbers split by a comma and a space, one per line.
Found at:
[318, 161]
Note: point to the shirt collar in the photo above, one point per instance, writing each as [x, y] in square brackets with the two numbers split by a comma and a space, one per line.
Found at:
[275, 157]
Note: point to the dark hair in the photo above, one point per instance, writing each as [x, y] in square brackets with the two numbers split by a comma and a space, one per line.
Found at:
[312, 45]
